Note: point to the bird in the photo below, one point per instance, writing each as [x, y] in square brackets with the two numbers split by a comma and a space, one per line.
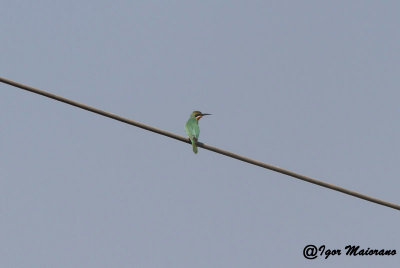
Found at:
[192, 128]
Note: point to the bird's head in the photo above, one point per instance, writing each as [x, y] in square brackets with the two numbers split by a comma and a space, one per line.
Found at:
[198, 115]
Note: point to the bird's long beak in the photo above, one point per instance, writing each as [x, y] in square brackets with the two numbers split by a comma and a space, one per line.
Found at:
[205, 114]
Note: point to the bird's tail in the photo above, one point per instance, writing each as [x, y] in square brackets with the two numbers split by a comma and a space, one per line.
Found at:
[194, 145]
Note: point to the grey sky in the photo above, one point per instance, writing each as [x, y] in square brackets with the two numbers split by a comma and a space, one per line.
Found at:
[311, 86]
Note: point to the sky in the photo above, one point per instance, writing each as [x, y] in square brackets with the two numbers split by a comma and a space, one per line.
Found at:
[309, 86]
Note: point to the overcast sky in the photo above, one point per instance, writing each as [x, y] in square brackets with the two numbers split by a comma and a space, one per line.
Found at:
[310, 86]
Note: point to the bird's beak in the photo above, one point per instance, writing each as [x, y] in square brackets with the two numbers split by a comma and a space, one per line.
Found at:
[205, 114]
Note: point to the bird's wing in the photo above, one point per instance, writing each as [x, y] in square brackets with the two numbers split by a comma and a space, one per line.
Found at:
[196, 131]
[192, 130]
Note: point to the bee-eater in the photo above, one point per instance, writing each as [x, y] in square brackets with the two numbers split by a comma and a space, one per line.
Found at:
[192, 128]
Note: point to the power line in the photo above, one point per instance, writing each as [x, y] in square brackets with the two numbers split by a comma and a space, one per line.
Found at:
[202, 145]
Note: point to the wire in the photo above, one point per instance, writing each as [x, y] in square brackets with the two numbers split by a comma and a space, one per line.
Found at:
[202, 145]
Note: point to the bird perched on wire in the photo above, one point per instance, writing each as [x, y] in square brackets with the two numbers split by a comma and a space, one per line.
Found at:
[192, 128]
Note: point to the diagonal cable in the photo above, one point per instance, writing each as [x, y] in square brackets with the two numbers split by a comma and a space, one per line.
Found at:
[202, 145]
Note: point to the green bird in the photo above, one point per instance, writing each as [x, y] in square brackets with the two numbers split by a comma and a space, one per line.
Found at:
[192, 128]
